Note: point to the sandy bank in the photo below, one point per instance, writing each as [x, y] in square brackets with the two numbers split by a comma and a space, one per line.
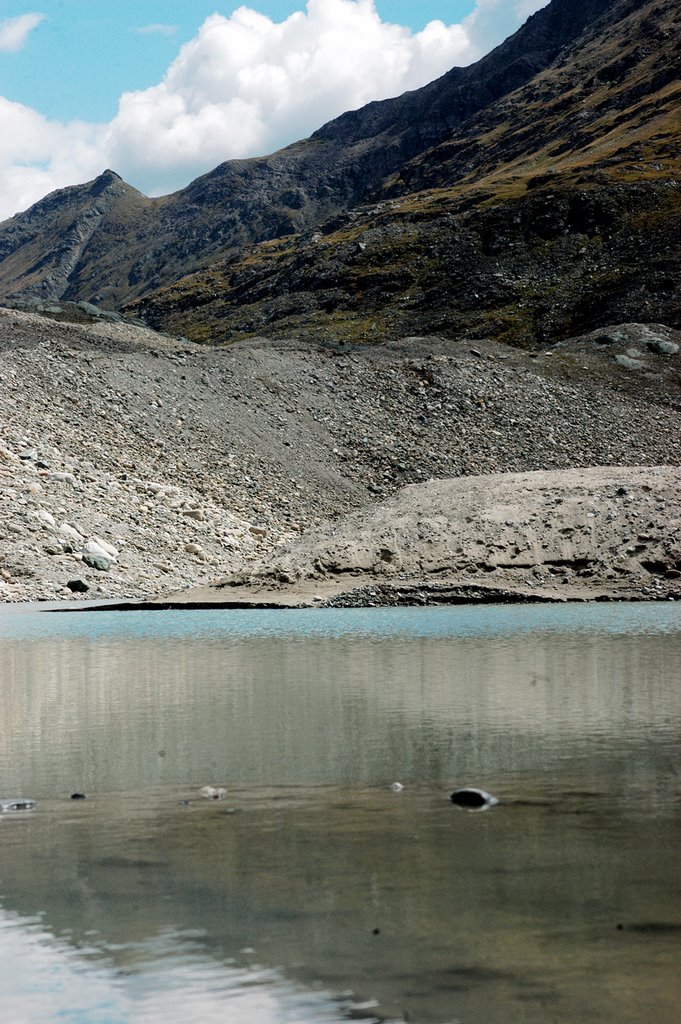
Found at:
[603, 533]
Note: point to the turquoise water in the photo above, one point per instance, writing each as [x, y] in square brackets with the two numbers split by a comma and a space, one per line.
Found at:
[312, 891]
[18, 622]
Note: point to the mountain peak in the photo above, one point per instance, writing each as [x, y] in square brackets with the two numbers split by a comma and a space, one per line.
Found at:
[105, 180]
[107, 176]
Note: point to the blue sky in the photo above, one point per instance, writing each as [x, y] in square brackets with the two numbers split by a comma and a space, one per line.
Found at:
[164, 90]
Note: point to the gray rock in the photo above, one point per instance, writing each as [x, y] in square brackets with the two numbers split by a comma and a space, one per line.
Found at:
[663, 347]
[196, 550]
[46, 518]
[100, 562]
[96, 549]
[71, 534]
[104, 548]
[630, 364]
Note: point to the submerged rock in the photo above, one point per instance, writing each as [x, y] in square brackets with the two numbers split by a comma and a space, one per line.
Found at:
[17, 803]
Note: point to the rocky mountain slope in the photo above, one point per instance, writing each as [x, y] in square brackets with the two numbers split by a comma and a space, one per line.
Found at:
[132, 464]
[548, 212]
[103, 242]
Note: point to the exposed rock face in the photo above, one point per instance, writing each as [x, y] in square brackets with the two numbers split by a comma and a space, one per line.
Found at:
[104, 242]
[43, 251]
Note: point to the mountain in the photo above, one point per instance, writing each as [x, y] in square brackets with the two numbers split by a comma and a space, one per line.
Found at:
[521, 197]
[104, 242]
[553, 210]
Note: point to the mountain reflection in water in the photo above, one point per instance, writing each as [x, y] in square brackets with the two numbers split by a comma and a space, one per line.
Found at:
[313, 892]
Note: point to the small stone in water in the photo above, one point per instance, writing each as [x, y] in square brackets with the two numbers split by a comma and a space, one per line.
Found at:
[213, 792]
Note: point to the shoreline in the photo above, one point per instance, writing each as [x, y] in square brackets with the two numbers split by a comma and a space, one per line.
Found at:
[372, 595]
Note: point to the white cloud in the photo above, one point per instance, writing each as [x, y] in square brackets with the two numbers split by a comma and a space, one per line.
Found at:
[244, 85]
[38, 155]
[15, 31]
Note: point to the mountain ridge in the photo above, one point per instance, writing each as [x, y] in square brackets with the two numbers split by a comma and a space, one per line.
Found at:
[549, 213]
[106, 243]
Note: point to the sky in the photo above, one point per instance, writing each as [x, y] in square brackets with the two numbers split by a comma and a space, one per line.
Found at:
[164, 90]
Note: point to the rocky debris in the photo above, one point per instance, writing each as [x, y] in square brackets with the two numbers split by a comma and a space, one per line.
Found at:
[133, 464]
[601, 532]
[89, 504]
[633, 346]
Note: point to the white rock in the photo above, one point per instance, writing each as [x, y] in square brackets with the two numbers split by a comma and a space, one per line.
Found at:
[46, 517]
[71, 533]
[94, 548]
[64, 478]
[108, 549]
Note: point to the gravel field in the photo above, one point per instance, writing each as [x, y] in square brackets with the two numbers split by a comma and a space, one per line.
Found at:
[133, 464]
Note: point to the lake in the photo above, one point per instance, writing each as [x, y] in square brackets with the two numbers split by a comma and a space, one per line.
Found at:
[313, 892]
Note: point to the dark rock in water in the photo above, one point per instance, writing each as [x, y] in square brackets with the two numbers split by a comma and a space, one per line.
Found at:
[652, 927]
[17, 803]
[78, 796]
[473, 798]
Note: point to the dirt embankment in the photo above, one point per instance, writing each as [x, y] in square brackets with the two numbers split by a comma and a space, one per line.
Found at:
[134, 465]
[608, 533]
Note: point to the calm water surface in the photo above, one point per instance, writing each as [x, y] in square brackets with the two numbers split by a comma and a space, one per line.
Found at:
[313, 892]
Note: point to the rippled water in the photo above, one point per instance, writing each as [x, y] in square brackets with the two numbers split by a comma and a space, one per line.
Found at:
[313, 892]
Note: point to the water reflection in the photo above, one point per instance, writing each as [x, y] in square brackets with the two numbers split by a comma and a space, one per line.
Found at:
[313, 892]
[169, 979]
[122, 713]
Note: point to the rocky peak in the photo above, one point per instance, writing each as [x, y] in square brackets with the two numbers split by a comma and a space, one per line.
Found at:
[106, 180]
